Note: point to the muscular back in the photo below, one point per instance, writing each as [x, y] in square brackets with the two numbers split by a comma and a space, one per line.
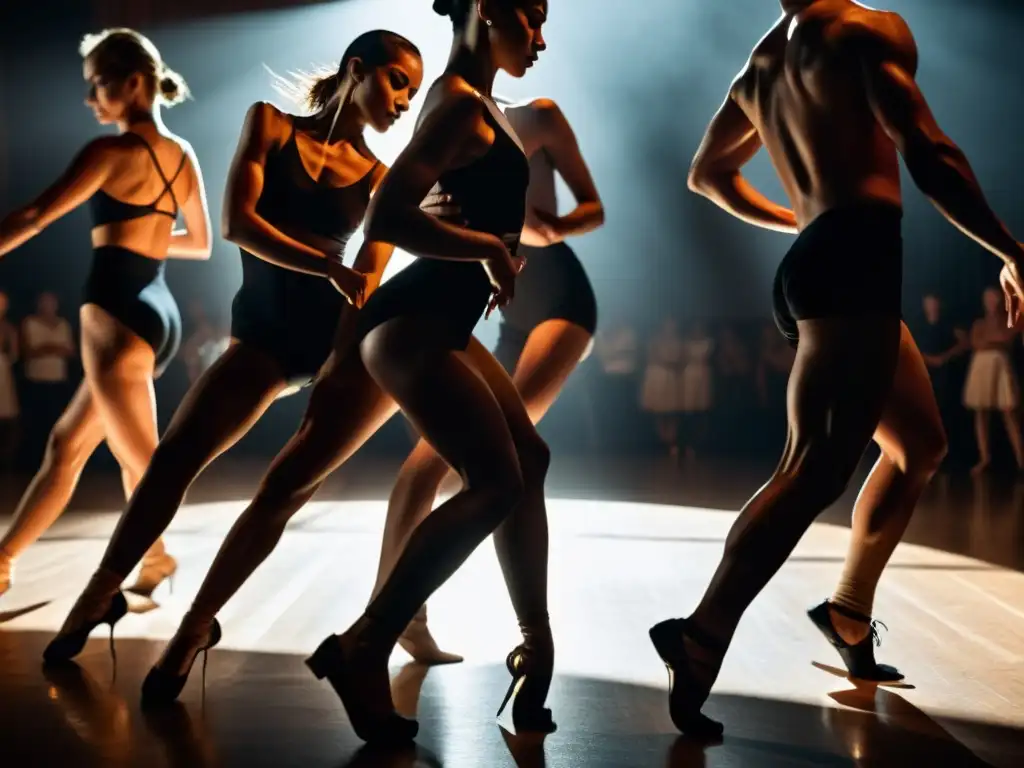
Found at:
[805, 92]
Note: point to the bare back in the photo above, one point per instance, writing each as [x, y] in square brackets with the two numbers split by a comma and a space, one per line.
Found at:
[135, 179]
[804, 92]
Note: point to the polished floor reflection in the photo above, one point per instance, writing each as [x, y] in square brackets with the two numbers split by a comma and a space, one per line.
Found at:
[952, 600]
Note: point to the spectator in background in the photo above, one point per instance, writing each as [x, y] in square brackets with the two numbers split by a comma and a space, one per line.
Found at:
[991, 381]
[734, 393]
[47, 344]
[9, 410]
[617, 349]
[661, 392]
[695, 387]
[942, 346]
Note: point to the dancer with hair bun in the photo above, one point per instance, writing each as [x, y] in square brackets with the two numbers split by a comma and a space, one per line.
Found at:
[136, 183]
[298, 189]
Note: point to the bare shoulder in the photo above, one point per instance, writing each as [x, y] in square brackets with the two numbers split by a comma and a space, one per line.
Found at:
[451, 101]
[265, 120]
[878, 35]
[765, 53]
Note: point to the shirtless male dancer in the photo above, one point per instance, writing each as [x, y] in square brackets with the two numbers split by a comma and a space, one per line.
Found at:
[830, 92]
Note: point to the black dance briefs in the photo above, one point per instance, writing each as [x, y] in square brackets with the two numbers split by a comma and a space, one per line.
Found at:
[131, 288]
[848, 262]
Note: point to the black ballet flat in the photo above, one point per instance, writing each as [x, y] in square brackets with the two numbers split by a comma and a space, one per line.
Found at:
[860, 658]
[329, 662]
[161, 689]
[531, 673]
[686, 695]
[65, 647]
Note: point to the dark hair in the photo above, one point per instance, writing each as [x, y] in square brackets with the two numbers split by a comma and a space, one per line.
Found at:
[456, 10]
[374, 49]
[120, 53]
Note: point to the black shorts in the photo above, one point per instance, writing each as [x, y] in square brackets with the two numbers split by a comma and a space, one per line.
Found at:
[848, 262]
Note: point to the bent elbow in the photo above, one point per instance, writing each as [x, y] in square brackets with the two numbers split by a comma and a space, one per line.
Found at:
[696, 180]
[379, 225]
[599, 215]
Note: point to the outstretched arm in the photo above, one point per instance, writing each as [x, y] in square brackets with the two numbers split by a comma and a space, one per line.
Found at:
[563, 149]
[938, 166]
[86, 174]
[194, 241]
[730, 143]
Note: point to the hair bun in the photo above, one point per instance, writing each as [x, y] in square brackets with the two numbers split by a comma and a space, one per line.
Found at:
[172, 87]
[443, 7]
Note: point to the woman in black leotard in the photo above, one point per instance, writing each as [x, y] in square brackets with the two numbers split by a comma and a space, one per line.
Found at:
[298, 190]
[544, 334]
[136, 184]
[411, 344]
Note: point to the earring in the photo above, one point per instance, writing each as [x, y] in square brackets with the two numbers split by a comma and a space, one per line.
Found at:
[490, 23]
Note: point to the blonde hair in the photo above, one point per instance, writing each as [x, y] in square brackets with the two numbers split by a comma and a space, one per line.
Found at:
[120, 52]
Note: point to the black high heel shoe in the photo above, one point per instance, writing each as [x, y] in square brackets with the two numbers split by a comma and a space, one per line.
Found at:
[161, 688]
[860, 658]
[66, 645]
[531, 671]
[686, 694]
[331, 661]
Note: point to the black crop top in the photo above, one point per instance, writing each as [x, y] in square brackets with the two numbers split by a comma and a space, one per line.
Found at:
[291, 199]
[109, 210]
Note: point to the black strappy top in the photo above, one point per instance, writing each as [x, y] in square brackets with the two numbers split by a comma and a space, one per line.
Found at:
[291, 199]
[109, 210]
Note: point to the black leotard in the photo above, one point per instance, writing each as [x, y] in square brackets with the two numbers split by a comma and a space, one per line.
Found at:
[292, 316]
[552, 286]
[848, 262]
[129, 286]
[491, 194]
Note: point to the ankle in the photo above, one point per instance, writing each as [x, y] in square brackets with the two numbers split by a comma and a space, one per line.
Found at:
[103, 584]
[373, 631]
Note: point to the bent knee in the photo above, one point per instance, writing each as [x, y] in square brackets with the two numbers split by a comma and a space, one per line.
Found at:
[924, 452]
[64, 449]
[501, 491]
[820, 472]
[534, 458]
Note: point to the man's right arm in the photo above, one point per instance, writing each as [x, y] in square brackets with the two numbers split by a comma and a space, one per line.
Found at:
[888, 55]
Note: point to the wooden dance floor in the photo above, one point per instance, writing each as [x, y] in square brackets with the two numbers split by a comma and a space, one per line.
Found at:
[632, 543]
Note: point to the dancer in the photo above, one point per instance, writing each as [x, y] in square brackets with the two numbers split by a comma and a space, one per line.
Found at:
[415, 348]
[830, 92]
[297, 191]
[545, 332]
[130, 323]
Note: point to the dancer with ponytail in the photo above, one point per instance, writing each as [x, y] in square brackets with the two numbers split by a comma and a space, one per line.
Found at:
[297, 191]
[545, 331]
[411, 345]
[136, 184]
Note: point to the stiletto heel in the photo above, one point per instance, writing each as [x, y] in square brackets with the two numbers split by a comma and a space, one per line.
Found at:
[686, 695]
[531, 672]
[859, 658]
[330, 661]
[66, 645]
[161, 688]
